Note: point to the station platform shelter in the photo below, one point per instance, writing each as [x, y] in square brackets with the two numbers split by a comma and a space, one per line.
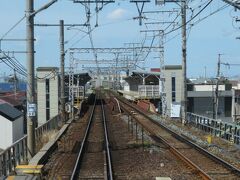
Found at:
[142, 87]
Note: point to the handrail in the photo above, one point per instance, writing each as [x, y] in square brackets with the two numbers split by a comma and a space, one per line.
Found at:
[17, 153]
[225, 130]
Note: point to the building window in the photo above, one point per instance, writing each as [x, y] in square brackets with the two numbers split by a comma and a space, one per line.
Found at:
[173, 96]
[173, 89]
[47, 86]
[47, 100]
[173, 84]
[47, 104]
[47, 114]
[47, 96]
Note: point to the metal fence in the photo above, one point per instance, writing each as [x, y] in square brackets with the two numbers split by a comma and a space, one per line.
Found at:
[148, 91]
[17, 153]
[228, 131]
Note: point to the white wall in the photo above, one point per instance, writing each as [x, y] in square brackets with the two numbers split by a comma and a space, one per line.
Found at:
[126, 87]
[206, 87]
[41, 98]
[237, 86]
[169, 73]
[6, 136]
[54, 95]
[17, 129]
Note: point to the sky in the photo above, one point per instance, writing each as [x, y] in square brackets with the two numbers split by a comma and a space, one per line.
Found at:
[117, 25]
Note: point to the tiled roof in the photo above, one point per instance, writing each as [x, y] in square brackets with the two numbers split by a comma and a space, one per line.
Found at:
[9, 112]
[11, 99]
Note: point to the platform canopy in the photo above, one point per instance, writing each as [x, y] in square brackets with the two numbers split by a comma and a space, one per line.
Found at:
[79, 79]
[147, 77]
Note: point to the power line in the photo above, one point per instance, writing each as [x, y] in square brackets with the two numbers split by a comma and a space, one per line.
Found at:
[13, 63]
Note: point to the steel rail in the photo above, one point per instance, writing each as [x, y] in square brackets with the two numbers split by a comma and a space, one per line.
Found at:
[181, 138]
[193, 166]
[76, 171]
[107, 146]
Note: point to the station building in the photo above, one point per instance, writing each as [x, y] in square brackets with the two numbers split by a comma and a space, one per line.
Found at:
[202, 94]
[143, 87]
[48, 91]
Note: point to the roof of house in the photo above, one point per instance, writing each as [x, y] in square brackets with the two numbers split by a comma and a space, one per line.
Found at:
[172, 67]
[12, 99]
[9, 112]
[145, 73]
[47, 69]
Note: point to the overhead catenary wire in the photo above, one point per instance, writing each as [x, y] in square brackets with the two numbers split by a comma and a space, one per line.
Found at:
[13, 27]
[200, 20]
[88, 34]
[191, 18]
[193, 24]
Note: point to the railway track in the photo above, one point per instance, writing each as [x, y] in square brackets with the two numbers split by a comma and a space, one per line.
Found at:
[61, 162]
[135, 155]
[130, 160]
[83, 152]
[204, 164]
[94, 159]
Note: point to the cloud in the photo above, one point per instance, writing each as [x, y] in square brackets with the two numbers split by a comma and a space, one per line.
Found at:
[117, 14]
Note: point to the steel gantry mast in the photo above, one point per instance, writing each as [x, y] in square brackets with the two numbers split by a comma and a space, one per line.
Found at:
[113, 59]
[162, 76]
[70, 81]
[183, 6]
[161, 34]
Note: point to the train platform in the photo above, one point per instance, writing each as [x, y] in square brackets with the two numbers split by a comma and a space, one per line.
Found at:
[134, 95]
[130, 95]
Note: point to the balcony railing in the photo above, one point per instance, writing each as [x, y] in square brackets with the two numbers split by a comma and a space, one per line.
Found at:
[148, 91]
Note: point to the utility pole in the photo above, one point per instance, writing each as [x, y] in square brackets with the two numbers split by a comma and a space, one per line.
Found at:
[216, 90]
[205, 72]
[31, 100]
[15, 83]
[184, 59]
[31, 105]
[62, 58]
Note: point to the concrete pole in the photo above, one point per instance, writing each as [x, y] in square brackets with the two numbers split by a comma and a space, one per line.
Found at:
[62, 59]
[31, 115]
[233, 106]
[184, 59]
[143, 79]
[216, 90]
[15, 83]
